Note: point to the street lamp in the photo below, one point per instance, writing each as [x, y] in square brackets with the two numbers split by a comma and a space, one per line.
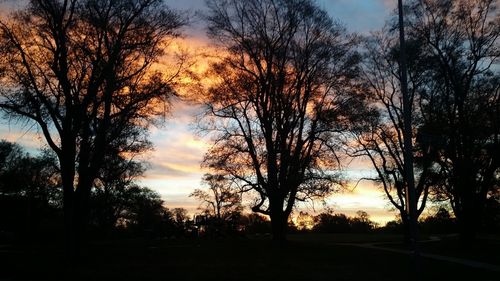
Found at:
[411, 200]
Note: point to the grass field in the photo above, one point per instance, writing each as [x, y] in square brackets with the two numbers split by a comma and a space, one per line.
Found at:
[305, 257]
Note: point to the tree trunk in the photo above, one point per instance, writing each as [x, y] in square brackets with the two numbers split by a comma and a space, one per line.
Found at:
[68, 211]
[279, 228]
[82, 209]
[467, 232]
[278, 222]
[406, 227]
[76, 208]
[468, 219]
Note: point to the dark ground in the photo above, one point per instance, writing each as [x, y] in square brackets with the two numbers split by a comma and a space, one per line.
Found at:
[306, 257]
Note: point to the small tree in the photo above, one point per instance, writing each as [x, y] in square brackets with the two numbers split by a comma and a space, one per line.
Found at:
[180, 215]
[221, 201]
[113, 187]
[143, 210]
[331, 223]
[440, 222]
[362, 223]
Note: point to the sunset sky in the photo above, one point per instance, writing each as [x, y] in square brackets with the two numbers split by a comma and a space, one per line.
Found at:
[175, 163]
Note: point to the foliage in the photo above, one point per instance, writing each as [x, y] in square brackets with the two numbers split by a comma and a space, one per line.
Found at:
[255, 224]
[440, 222]
[340, 223]
[30, 191]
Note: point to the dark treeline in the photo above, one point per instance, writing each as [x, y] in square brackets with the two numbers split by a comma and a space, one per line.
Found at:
[293, 98]
[31, 193]
[31, 197]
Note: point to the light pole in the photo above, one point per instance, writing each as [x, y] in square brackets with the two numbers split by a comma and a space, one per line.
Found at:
[411, 200]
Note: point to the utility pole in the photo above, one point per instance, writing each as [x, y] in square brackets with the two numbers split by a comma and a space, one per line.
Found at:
[411, 200]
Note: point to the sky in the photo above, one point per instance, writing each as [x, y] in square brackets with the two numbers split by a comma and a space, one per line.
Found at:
[174, 165]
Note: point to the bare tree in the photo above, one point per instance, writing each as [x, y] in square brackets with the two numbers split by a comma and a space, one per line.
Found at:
[180, 216]
[82, 71]
[221, 200]
[281, 95]
[379, 138]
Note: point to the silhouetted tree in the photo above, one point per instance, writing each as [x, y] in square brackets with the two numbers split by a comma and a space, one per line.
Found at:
[111, 190]
[221, 205]
[221, 201]
[11, 155]
[143, 210]
[180, 215]
[440, 222]
[282, 92]
[82, 71]
[461, 101]
[362, 223]
[29, 189]
[328, 222]
[135, 210]
[394, 226]
[379, 137]
[255, 223]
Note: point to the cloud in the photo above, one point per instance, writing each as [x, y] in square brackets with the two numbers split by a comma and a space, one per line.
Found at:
[175, 162]
[182, 202]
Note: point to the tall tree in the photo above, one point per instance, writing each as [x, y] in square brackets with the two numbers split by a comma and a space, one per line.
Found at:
[379, 137]
[82, 70]
[462, 101]
[281, 93]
